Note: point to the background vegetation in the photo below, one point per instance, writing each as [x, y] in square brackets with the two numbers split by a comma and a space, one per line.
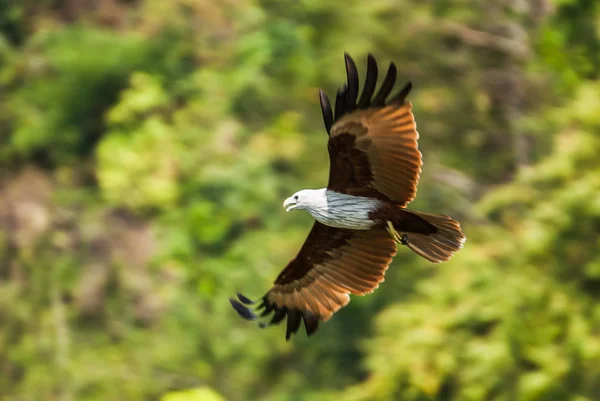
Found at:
[146, 147]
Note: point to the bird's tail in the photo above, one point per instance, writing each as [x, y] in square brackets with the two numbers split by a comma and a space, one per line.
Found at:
[439, 246]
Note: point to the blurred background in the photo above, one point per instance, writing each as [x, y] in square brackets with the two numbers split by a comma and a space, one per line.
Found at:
[146, 147]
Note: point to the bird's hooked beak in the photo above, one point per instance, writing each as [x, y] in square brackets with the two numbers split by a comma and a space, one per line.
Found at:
[289, 204]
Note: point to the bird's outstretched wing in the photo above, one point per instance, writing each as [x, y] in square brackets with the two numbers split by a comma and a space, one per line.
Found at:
[372, 142]
[332, 264]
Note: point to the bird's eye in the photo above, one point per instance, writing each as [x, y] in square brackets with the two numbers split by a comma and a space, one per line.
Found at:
[295, 197]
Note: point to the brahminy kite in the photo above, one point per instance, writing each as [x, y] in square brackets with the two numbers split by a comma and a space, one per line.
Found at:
[375, 165]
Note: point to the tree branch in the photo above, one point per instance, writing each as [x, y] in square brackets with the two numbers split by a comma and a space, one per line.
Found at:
[476, 38]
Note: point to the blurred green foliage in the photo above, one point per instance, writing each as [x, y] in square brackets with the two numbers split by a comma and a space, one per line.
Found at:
[146, 147]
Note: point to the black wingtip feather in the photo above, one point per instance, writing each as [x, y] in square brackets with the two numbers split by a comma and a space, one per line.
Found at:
[244, 299]
[242, 310]
[386, 86]
[326, 110]
[352, 76]
[293, 323]
[268, 308]
[279, 315]
[401, 96]
[370, 83]
[311, 323]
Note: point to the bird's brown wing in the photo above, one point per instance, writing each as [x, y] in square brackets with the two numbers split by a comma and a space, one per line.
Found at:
[372, 145]
[332, 264]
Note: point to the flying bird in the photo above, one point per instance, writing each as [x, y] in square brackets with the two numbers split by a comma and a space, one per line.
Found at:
[361, 215]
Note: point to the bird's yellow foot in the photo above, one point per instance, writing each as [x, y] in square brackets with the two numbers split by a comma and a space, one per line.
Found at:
[400, 238]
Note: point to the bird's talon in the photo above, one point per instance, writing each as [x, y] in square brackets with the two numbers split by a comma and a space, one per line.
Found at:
[393, 232]
[401, 239]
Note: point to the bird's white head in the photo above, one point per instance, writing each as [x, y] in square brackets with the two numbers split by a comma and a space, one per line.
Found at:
[305, 199]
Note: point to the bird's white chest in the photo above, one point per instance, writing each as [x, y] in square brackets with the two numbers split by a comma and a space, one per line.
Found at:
[344, 211]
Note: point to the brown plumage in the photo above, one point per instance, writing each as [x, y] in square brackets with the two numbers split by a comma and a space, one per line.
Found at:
[374, 170]
[374, 153]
